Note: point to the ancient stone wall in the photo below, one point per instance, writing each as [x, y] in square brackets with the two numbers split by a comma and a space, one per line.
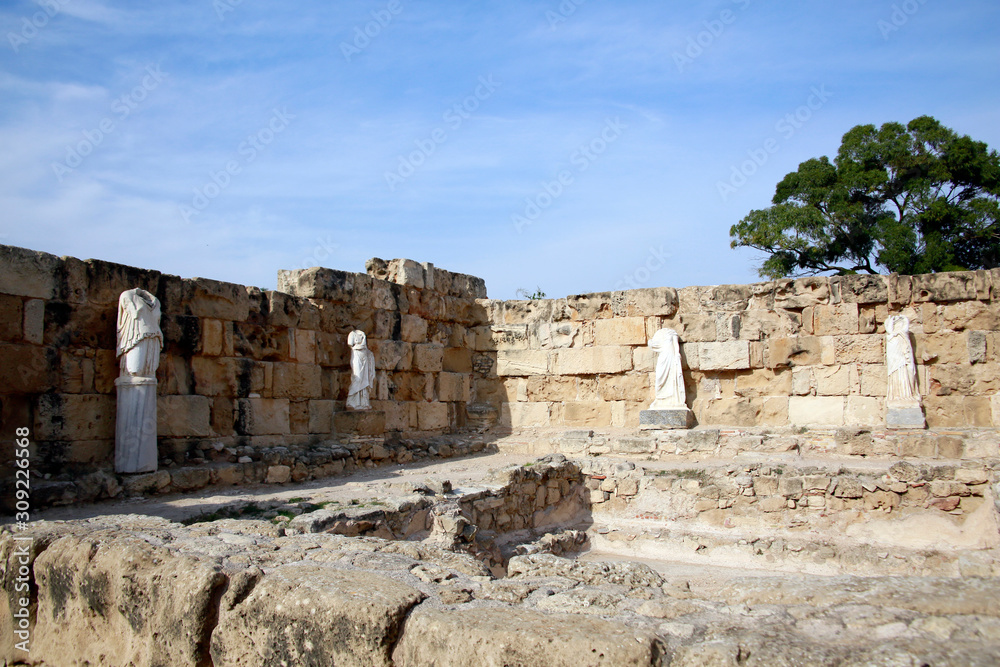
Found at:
[802, 352]
[246, 375]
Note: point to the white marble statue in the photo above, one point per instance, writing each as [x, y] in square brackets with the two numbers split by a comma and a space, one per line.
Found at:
[669, 378]
[139, 343]
[901, 371]
[362, 371]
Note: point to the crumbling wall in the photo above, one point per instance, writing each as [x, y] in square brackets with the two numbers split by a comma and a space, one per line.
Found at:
[804, 352]
[244, 372]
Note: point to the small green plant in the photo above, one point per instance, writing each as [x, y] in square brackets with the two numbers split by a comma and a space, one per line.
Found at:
[292, 501]
[525, 294]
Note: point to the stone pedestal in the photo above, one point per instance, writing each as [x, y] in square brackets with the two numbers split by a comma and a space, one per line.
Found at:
[359, 422]
[665, 419]
[905, 417]
[135, 429]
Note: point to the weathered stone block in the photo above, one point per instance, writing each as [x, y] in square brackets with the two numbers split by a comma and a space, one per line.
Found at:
[864, 410]
[727, 355]
[525, 415]
[428, 357]
[11, 318]
[392, 354]
[625, 388]
[860, 288]
[584, 413]
[833, 380]
[262, 416]
[321, 416]
[413, 329]
[359, 422]
[798, 351]
[120, 600]
[74, 417]
[801, 293]
[432, 416]
[453, 387]
[522, 362]
[665, 419]
[818, 410]
[835, 320]
[509, 636]
[34, 321]
[592, 361]
[28, 273]
[305, 614]
[291, 380]
[25, 369]
[620, 331]
[947, 286]
[183, 416]
[729, 412]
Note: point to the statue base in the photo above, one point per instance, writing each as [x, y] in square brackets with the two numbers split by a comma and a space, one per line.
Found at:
[135, 426]
[359, 422]
[666, 419]
[905, 417]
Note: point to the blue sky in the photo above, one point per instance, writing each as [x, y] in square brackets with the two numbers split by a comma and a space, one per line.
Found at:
[575, 146]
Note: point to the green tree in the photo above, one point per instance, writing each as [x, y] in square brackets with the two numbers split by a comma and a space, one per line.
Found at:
[913, 199]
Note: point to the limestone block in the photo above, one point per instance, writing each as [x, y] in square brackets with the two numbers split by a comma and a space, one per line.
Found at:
[453, 387]
[861, 288]
[11, 318]
[649, 301]
[392, 354]
[291, 380]
[505, 337]
[432, 416]
[833, 380]
[304, 614]
[695, 327]
[797, 351]
[120, 600]
[359, 422]
[303, 345]
[397, 414]
[835, 320]
[28, 273]
[512, 636]
[644, 359]
[74, 417]
[327, 285]
[620, 331]
[413, 329]
[864, 410]
[946, 286]
[24, 369]
[262, 416]
[976, 342]
[321, 416]
[816, 410]
[862, 349]
[768, 324]
[665, 419]
[34, 321]
[941, 348]
[729, 412]
[625, 388]
[183, 416]
[801, 293]
[457, 360]
[525, 415]
[774, 411]
[584, 413]
[978, 411]
[526, 311]
[523, 362]
[764, 382]
[547, 389]
[203, 297]
[728, 355]
[428, 357]
[592, 361]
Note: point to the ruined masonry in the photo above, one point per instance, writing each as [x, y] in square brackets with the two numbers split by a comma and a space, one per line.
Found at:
[503, 501]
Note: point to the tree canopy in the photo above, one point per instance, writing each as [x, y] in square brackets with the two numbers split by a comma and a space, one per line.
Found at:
[907, 199]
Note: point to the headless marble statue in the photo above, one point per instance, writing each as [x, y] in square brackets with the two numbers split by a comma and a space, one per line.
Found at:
[139, 343]
[669, 379]
[362, 372]
[902, 397]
